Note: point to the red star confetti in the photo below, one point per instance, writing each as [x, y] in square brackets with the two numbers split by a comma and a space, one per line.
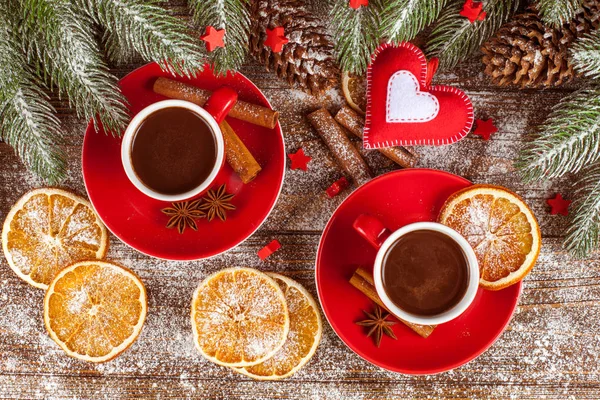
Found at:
[213, 38]
[559, 205]
[276, 39]
[337, 186]
[485, 129]
[473, 10]
[299, 160]
[269, 249]
[356, 4]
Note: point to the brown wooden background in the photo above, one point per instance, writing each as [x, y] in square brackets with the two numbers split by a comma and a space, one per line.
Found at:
[550, 349]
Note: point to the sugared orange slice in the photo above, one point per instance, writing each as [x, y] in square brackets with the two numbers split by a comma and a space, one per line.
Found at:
[48, 229]
[354, 88]
[95, 310]
[239, 317]
[303, 337]
[501, 228]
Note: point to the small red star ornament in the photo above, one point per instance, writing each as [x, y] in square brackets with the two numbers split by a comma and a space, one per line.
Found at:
[485, 129]
[356, 4]
[299, 160]
[336, 187]
[276, 39]
[559, 205]
[213, 38]
[473, 10]
[269, 249]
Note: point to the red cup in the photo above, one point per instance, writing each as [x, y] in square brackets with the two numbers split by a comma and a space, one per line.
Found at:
[213, 113]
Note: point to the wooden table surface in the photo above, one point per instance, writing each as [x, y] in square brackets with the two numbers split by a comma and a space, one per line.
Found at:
[550, 349]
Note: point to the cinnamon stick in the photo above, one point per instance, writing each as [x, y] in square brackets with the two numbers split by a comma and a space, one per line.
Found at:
[355, 123]
[248, 112]
[335, 138]
[363, 281]
[238, 156]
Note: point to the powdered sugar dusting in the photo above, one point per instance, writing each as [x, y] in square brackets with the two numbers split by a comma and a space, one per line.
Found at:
[341, 146]
[550, 350]
[240, 316]
[49, 231]
[301, 340]
[76, 301]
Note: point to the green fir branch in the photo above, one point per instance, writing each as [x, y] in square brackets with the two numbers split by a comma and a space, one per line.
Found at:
[27, 121]
[61, 42]
[558, 12]
[402, 20]
[233, 16]
[454, 38]
[116, 53]
[585, 55]
[356, 33]
[150, 30]
[582, 234]
[568, 141]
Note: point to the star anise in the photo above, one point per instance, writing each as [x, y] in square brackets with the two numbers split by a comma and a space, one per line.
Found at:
[217, 203]
[183, 215]
[379, 325]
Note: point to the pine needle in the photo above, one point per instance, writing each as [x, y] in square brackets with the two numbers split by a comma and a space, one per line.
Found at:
[27, 121]
[402, 20]
[356, 33]
[584, 227]
[115, 53]
[454, 38]
[233, 16]
[148, 29]
[558, 12]
[61, 42]
[585, 55]
[568, 141]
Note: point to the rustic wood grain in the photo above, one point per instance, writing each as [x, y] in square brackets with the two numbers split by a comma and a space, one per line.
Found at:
[550, 350]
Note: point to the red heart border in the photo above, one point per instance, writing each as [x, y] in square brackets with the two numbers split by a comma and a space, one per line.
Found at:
[423, 82]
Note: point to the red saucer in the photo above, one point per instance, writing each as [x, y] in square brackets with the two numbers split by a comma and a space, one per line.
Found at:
[137, 220]
[400, 198]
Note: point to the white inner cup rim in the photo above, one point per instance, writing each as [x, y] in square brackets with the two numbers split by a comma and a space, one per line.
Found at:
[472, 265]
[132, 129]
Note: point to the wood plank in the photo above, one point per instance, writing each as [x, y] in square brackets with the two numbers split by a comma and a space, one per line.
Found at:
[69, 387]
[554, 329]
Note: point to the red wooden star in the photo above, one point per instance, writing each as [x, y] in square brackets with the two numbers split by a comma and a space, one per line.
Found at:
[559, 205]
[357, 3]
[269, 249]
[213, 38]
[473, 10]
[337, 186]
[276, 39]
[485, 129]
[299, 160]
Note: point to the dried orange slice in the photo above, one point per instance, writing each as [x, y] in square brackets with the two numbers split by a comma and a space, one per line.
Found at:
[95, 310]
[239, 317]
[48, 229]
[302, 340]
[354, 88]
[501, 228]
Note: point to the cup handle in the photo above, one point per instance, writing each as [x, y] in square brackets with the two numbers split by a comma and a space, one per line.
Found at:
[220, 102]
[372, 229]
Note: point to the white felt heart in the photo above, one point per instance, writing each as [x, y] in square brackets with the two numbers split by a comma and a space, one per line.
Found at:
[405, 103]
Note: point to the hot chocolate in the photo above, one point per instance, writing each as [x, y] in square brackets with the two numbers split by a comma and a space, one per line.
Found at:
[425, 273]
[173, 151]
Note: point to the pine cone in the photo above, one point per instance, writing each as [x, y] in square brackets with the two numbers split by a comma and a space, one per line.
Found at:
[307, 60]
[527, 53]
